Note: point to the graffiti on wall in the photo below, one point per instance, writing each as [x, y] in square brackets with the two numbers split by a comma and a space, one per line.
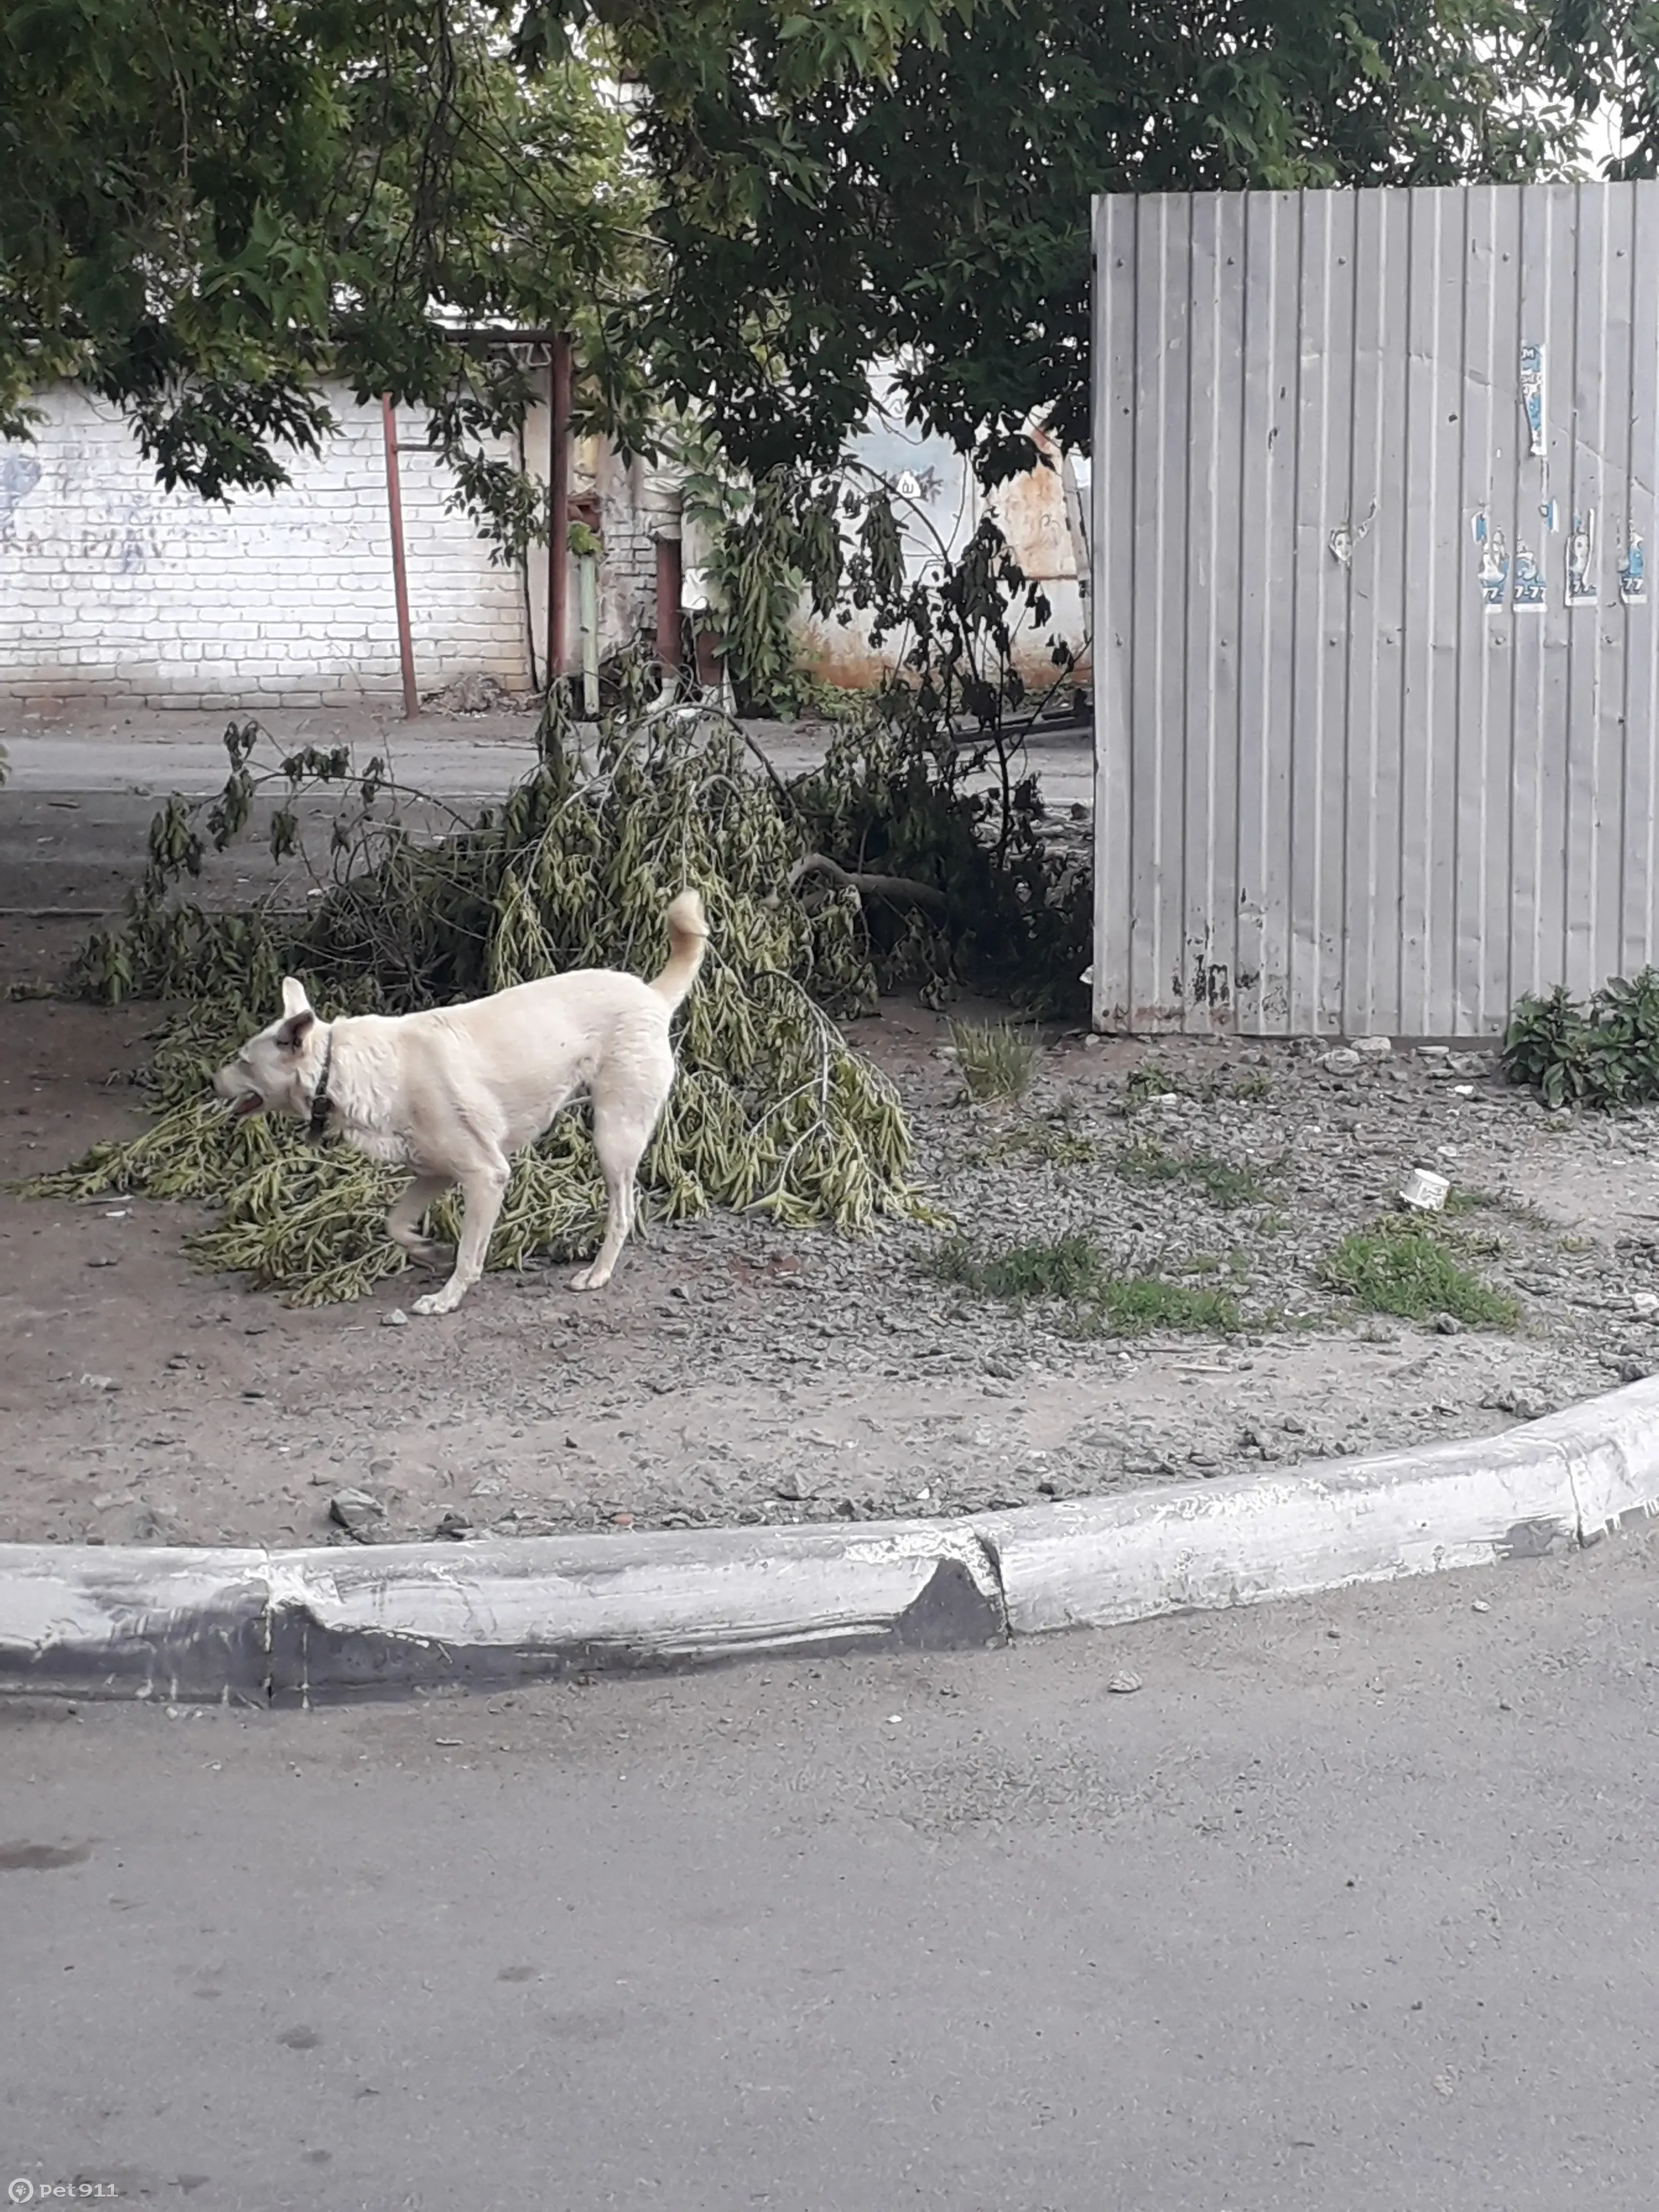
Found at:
[19, 475]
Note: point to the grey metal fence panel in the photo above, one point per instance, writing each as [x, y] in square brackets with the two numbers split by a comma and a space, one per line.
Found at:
[1376, 675]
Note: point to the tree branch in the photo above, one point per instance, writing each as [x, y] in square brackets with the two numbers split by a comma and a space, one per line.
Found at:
[903, 888]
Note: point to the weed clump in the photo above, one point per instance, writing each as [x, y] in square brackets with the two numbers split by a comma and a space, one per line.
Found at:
[995, 1060]
[1402, 1268]
[1074, 1269]
[1223, 1185]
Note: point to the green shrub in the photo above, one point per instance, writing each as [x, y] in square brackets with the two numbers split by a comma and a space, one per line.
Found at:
[1603, 1053]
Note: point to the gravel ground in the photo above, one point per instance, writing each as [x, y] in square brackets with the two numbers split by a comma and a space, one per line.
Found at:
[735, 1372]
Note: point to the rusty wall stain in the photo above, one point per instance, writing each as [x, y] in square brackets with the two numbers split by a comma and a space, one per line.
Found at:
[1031, 511]
[846, 657]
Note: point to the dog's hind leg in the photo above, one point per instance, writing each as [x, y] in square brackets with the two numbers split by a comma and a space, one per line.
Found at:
[402, 1224]
[624, 1118]
[484, 1186]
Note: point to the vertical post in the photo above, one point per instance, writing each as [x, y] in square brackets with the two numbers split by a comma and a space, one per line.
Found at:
[670, 593]
[587, 585]
[558, 534]
[399, 570]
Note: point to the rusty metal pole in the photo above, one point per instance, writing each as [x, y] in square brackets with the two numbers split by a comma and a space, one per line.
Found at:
[670, 592]
[558, 535]
[399, 570]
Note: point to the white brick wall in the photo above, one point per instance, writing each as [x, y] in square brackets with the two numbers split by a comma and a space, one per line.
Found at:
[112, 590]
[637, 505]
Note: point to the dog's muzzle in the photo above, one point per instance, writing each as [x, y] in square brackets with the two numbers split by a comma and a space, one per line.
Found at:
[240, 1101]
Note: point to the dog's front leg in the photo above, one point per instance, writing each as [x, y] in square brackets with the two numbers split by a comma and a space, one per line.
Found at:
[402, 1224]
[484, 1188]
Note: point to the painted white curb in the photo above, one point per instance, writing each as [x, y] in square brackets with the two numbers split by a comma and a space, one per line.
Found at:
[1237, 1540]
[268, 1626]
[377, 1616]
[138, 1621]
[1570, 1479]
[1612, 1449]
[90, 1619]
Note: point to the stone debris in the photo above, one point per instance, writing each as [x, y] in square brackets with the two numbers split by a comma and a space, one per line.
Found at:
[357, 1511]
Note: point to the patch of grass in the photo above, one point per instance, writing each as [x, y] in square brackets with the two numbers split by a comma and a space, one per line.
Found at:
[995, 1060]
[1074, 1270]
[1152, 1080]
[1400, 1268]
[1470, 1201]
[1068, 1267]
[1135, 1304]
[1463, 1202]
[1253, 1087]
[1035, 1144]
[1147, 1163]
[1224, 1185]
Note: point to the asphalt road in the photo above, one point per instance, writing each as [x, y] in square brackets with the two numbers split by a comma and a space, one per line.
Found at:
[1349, 1909]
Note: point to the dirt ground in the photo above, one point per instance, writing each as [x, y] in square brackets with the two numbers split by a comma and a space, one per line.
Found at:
[733, 1371]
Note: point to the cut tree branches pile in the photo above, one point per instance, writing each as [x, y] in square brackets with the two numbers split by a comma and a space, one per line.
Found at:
[773, 1110]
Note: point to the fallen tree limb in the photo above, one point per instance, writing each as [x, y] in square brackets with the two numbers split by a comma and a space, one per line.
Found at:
[868, 886]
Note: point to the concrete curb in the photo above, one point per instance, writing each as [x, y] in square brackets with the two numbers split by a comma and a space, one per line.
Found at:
[291, 1627]
[284, 1627]
[1233, 1542]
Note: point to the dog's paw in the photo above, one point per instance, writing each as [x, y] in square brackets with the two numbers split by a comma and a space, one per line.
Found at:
[590, 1278]
[438, 1301]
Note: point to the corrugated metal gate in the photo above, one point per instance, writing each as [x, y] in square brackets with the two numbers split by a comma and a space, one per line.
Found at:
[1374, 649]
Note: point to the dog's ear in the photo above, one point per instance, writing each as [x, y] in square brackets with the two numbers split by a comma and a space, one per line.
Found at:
[291, 1034]
[297, 1017]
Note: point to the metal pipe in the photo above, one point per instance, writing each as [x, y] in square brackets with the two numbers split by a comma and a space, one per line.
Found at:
[399, 570]
[558, 533]
[524, 580]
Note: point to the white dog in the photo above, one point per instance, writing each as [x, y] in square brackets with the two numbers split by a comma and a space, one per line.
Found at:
[455, 1092]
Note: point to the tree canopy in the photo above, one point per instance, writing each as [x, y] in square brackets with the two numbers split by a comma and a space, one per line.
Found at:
[206, 203]
[824, 204]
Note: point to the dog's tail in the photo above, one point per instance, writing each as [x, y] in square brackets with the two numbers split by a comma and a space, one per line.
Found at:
[688, 940]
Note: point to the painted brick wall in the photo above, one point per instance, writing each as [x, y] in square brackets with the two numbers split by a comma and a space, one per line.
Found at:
[112, 590]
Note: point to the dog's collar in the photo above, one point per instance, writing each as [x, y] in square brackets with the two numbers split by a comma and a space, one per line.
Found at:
[317, 1122]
